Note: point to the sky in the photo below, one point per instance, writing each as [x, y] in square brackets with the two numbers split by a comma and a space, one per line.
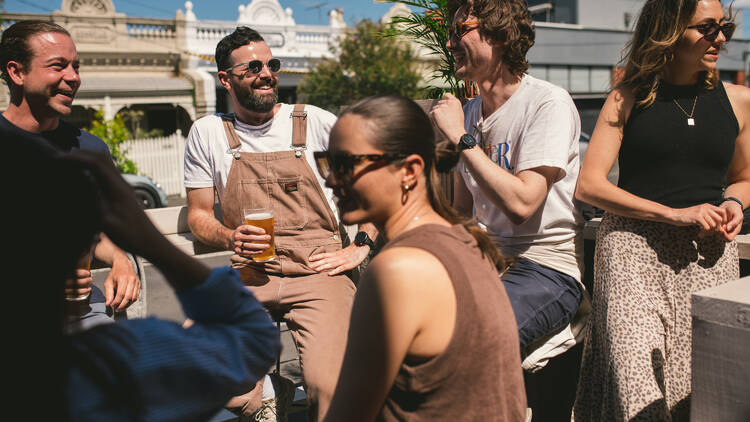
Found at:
[311, 12]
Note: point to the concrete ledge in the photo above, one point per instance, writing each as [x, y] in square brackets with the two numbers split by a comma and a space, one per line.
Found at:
[728, 304]
[721, 340]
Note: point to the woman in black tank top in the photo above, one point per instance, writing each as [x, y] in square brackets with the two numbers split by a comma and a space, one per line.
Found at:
[432, 334]
[683, 143]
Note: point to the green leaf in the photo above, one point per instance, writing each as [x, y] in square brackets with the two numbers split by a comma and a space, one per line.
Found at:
[366, 63]
[428, 27]
[114, 132]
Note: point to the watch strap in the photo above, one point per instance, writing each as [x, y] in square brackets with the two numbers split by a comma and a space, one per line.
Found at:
[466, 142]
[362, 238]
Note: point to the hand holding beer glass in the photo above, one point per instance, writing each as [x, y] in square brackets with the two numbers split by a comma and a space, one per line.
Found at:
[259, 214]
[78, 288]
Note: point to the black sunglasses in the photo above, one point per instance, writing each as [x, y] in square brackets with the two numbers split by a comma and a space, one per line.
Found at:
[342, 164]
[711, 30]
[254, 67]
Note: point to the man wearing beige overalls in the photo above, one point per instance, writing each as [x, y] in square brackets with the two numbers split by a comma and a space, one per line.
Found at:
[265, 150]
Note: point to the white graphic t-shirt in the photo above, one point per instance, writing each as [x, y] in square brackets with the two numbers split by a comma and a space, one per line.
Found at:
[538, 126]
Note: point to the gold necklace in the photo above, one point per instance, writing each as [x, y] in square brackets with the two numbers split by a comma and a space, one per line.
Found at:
[690, 120]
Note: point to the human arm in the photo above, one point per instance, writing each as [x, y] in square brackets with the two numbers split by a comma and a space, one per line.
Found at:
[122, 287]
[393, 318]
[245, 240]
[344, 259]
[738, 177]
[165, 372]
[230, 346]
[604, 148]
[517, 195]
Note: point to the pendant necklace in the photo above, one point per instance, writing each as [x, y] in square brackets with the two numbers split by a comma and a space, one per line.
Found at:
[690, 120]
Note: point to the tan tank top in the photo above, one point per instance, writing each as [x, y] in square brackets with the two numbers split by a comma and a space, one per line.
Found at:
[478, 377]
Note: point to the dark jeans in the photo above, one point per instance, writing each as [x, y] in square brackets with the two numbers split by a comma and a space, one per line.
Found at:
[543, 299]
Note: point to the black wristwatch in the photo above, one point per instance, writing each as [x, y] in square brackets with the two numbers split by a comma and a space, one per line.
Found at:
[466, 142]
[362, 239]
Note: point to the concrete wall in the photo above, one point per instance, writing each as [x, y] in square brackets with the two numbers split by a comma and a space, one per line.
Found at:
[611, 14]
[721, 340]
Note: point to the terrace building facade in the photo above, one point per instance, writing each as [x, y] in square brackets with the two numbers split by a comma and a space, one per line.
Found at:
[164, 69]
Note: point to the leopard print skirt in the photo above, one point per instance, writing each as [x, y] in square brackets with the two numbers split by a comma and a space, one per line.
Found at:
[636, 359]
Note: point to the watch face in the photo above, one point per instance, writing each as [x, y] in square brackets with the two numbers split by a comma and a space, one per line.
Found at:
[467, 141]
[362, 238]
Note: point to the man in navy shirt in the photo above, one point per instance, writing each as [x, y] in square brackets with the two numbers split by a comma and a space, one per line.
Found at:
[39, 62]
[132, 370]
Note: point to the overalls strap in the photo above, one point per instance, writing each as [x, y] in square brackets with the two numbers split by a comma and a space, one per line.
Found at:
[299, 127]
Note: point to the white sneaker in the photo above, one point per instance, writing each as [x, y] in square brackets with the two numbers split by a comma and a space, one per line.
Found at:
[275, 409]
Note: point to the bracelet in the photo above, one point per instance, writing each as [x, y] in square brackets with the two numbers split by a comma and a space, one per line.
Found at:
[732, 198]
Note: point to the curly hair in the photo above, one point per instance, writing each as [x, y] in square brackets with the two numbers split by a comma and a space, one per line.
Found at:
[507, 23]
[659, 28]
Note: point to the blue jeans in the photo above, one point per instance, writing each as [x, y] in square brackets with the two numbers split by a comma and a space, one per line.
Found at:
[543, 299]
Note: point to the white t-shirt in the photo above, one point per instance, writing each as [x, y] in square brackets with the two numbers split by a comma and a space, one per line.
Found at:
[207, 156]
[537, 126]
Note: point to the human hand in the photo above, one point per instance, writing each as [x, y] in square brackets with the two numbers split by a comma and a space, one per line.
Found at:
[80, 285]
[448, 116]
[735, 215]
[706, 216]
[341, 260]
[122, 287]
[249, 240]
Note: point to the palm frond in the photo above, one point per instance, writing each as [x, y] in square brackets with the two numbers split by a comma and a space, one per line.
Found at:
[428, 27]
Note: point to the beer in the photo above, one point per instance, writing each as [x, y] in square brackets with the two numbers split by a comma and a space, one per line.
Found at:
[84, 263]
[264, 220]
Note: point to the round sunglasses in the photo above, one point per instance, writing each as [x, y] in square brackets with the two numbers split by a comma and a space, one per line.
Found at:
[253, 67]
[711, 30]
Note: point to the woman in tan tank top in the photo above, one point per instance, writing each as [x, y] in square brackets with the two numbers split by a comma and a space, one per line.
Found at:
[432, 333]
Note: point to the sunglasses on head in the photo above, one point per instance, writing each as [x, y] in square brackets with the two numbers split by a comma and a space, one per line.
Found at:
[459, 29]
[711, 30]
[341, 164]
[254, 67]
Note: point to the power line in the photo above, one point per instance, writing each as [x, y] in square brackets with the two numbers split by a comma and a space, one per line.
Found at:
[148, 6]
[32, 4]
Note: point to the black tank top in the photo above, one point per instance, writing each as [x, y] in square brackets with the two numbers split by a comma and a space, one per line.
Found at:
[664, 159]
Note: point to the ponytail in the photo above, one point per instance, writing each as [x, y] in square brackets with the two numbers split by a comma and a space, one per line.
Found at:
[446, 158]
[404, 128]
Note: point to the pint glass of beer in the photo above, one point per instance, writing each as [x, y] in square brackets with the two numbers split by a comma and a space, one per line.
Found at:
[262, 217]
[84, 263]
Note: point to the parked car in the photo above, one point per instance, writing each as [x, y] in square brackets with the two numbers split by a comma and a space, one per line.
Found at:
[148, 192]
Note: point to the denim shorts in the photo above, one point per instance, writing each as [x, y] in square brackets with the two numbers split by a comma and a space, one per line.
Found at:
[543, 299]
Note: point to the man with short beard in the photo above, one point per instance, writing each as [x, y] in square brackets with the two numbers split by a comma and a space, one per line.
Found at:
[263, 153]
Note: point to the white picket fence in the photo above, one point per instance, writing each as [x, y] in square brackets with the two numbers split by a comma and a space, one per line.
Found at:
[161, 159]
